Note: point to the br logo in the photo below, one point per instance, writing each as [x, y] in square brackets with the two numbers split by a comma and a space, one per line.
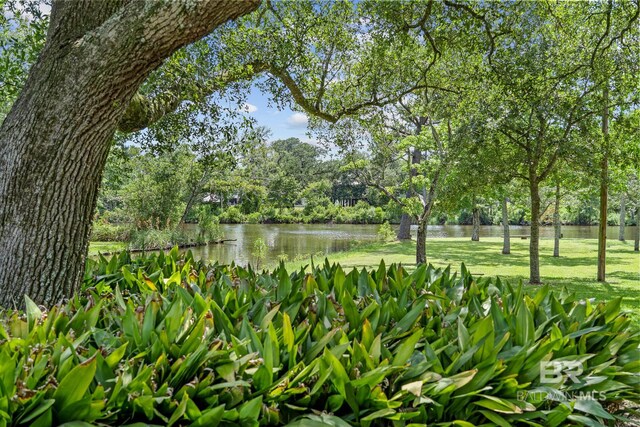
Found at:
[555, 370]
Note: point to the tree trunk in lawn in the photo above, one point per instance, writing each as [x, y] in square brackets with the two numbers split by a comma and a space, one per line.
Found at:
[54, 141]
[506, 244]
[404, 232]
[623, 217]
[636, 243]
[423, 222]
[421, 242]
[475, 235]
[534, 255]
[556, 224]
[604, 190]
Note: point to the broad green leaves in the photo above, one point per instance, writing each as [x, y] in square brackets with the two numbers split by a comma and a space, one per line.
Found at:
[182, 343]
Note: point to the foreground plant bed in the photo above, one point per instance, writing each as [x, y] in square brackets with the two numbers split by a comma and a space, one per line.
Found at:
[167, 340]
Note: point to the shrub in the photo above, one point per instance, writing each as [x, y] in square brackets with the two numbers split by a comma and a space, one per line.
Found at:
[362, 213]
[379, 215]
[301, 257]
[286, 216]
[322, 212]
[254, 218]
[168, 340]
[153, 238]
[149, 239]
[103, 231]
[231, 215]
[208, 228]
[386, 233]
[259, 252]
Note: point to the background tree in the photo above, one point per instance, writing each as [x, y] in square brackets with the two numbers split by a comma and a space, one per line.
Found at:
[613, 36]
[540, 99]
[423, 179]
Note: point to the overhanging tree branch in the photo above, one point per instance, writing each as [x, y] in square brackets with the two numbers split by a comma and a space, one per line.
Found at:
[143, 111]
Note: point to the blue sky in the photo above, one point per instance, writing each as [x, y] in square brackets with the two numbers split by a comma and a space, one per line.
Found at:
[282, 123]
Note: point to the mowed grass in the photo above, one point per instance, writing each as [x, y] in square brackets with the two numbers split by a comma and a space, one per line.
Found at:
[103, 247]
[575, 269]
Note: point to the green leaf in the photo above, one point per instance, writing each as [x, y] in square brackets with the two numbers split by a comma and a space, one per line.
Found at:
[498, 405]
[406, 348]
[34, 314]
[287, 332]
[495, 418]
[75, 384]
[524, 325]
[210, 417]
[319, 421]
[34, 413]
[251, 410]
[382, 413]
[592, 407]
[116, 356]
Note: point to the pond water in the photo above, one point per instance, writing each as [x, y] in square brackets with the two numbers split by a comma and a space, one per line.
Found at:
[303, 240]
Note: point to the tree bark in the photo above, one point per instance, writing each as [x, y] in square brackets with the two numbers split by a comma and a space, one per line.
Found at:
[54, 141]
[404, 232]
[623, 217]
[423, 219]
[196, 190]
[604, 190]
[636, 243]
[421, 242]
[475, 235]
[506, 244]
[556, 223]
[534, 255]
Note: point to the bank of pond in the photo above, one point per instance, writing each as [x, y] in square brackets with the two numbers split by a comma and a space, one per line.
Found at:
[291, 242]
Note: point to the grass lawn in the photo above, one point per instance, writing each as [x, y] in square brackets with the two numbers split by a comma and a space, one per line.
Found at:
[575, 268]
[102, 247]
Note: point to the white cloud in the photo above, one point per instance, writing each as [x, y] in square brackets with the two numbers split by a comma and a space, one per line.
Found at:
[298, 120]
[248, 108]
[43, 7]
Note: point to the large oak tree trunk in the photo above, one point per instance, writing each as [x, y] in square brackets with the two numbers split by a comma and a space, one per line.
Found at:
[506, 243]
[534, 252]
[623, 217]
[54, 141]
[556, 224]
[604, 189]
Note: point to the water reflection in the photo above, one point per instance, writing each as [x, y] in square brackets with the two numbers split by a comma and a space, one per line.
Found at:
[288, 240]
[303, 240]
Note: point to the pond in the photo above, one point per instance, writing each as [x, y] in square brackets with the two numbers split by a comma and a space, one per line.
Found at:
[303, 240]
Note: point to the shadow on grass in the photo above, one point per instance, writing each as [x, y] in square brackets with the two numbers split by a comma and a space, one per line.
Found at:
[625, 275]
[574, 269]
[473, 253]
